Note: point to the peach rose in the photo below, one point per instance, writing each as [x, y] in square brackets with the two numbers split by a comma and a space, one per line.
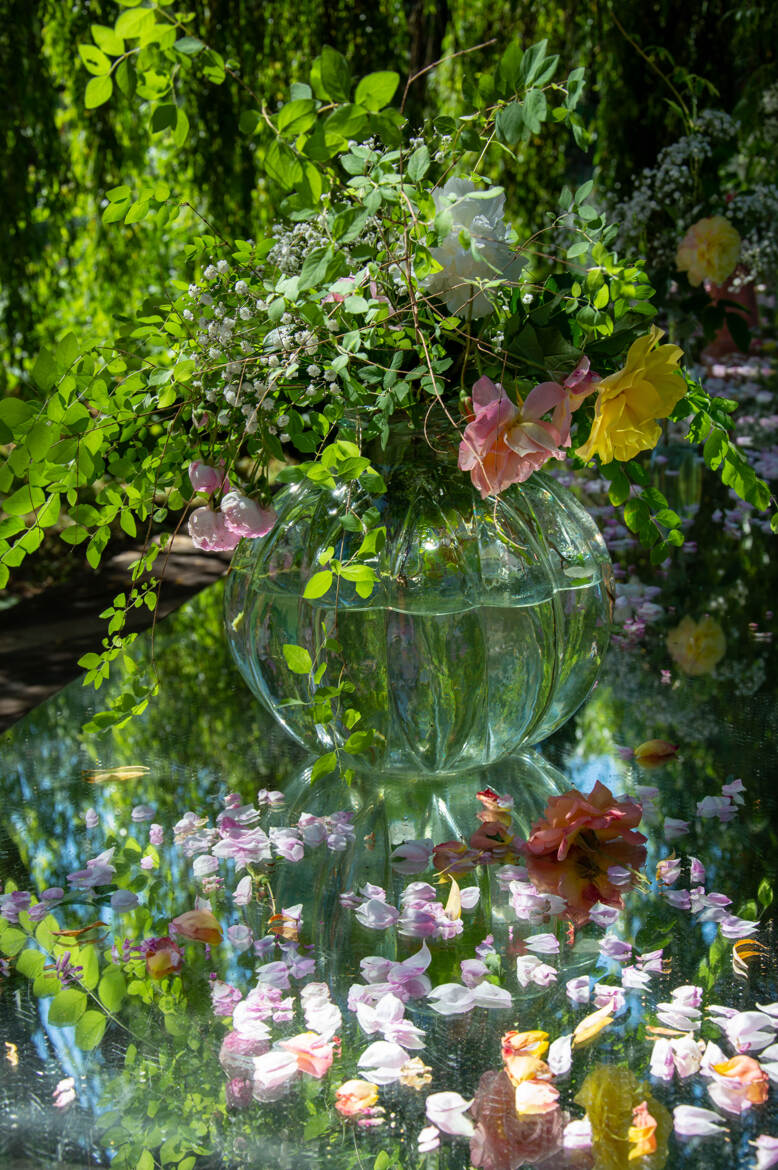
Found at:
[571, 849]
[356, 1097]
[199, 926]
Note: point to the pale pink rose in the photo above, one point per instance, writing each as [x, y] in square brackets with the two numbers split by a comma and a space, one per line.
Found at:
[245, 518]
[505, 444]
[209, 531]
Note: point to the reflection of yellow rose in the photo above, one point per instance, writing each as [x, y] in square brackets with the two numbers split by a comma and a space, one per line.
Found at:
[709, 250]
[697, 646]
[611, 1094]
[630, 401]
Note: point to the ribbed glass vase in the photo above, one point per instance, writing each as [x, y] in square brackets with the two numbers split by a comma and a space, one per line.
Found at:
[485, 631]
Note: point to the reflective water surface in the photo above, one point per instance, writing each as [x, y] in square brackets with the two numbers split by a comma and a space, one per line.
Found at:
[136, 1033]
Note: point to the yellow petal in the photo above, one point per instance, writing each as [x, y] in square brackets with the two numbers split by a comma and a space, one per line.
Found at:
[591, 1026]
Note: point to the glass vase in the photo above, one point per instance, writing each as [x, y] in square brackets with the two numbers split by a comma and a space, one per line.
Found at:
[485, 631]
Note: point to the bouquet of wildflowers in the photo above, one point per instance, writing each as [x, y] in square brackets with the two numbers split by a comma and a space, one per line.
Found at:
[700, 224]
[392, 285]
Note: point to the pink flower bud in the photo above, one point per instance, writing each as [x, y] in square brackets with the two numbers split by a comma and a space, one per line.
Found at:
[207, 479]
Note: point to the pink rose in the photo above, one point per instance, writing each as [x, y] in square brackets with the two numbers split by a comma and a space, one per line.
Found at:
[209, 531]
[245, 518]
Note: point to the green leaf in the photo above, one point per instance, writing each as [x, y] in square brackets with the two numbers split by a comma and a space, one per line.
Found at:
[106, 39]
[14, 412]
[296, 117]
[181, 132]
[164, 117]
[318, 585]
[94, 60]
[25, 499]
[376, 90]
[359, 741]
[335, 74]
[30, 963]
[618, 492]
[98, 91]
[46, 984]
[67, 351]
[137, 211]
[67, 1007]
[765, 893]
[131, 24]
[45, 371]
[88, 961]
[509, 123]
[535, 108]
[146, 1161]
[297, 659]
[418, 164]
[282, 165]
[189, 46]
[324, 765]
[89, 1030]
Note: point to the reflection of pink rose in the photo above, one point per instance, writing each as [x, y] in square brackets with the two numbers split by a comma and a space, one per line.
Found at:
[313, 1053]
[570, 850]
[236, 1055]
[503, 1140]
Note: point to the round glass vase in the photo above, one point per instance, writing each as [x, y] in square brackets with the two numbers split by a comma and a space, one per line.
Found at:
[485, 630]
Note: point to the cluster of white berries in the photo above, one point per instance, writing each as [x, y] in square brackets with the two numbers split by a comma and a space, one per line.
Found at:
[245, 368]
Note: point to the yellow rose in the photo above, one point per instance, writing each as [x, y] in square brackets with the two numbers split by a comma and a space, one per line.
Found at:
[630, 401]
[709, 250]
[697, 646]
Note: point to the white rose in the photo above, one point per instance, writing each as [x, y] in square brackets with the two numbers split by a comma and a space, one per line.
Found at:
[461, 273]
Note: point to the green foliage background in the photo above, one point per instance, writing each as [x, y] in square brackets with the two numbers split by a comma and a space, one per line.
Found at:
[61, 268]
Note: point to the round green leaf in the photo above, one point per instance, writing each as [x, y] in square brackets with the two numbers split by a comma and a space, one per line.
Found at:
[68, 1007]
[89, 1030]
[30, 963]
[297, 659]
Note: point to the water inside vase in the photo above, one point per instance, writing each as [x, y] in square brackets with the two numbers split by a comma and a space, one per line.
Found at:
[441, 691]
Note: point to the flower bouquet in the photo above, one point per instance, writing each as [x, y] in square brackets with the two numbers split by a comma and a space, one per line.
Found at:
[392, 286]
